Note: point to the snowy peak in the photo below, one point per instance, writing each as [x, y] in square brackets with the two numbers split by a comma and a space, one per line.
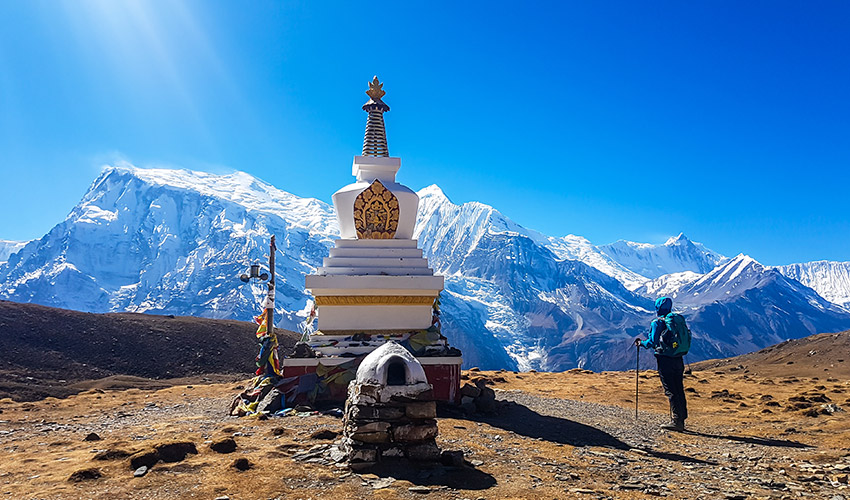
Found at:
[732, 279]
[676, 240]
[736, 270]
[171, 241]
[447, 232]
[676, 255]
[433, 192]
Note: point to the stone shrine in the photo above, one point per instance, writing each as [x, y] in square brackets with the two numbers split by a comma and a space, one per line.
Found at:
[376, 286]
[390, 412]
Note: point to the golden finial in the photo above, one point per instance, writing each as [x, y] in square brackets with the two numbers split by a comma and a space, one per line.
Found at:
[376, 90]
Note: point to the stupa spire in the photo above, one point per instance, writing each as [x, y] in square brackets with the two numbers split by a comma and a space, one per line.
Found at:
[375, 139]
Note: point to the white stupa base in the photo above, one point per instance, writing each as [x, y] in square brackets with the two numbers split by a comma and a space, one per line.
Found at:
[375, 317]
[375, 285]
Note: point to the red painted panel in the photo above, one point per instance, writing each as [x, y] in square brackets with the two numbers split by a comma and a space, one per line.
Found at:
[444, 378]
[446, 381]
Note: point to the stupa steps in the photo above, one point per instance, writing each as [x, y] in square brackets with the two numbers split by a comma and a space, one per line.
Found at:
[376, 271]
[376, 243]
[375, 262]
[413, 253]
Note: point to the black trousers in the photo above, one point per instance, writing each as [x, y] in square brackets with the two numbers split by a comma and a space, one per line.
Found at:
[671, 370]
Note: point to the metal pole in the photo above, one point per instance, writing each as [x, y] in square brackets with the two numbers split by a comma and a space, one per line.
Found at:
[637, 372]
[270, 310]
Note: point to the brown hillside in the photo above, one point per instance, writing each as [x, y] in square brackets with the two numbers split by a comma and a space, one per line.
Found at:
[53, 352]
[823, 355]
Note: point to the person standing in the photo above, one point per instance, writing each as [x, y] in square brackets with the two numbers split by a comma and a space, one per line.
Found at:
[670, 338]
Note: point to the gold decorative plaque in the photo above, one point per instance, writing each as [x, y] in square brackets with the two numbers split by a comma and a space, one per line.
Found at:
[374, 300]
[376, 213]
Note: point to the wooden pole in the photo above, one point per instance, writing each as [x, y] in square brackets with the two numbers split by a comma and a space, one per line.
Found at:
[637, 374]
[270, 310]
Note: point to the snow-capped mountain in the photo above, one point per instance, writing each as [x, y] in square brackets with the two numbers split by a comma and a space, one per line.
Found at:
[747, 306]
[450, 229]
[555, 312]
[505, 279]
[830, 279]
[174, 242]
[168, 241]
[8, 247]
[677, 255]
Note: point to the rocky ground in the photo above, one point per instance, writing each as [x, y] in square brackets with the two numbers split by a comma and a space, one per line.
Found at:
[564, 435]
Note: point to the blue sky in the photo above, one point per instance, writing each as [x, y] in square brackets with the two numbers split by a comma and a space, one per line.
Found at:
[729, 121]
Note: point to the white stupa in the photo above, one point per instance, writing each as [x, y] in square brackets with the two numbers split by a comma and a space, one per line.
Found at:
[375, 287]
[375, 278]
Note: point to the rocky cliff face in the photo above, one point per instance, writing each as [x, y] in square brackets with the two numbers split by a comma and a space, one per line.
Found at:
[830, 279]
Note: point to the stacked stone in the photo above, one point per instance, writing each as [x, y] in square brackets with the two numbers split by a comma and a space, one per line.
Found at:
[476, 397]
[382, 423]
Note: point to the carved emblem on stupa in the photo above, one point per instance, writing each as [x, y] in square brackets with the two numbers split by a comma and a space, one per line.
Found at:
[376, 213]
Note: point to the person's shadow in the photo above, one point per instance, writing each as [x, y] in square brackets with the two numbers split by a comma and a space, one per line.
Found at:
[785, 443]
[524, 421]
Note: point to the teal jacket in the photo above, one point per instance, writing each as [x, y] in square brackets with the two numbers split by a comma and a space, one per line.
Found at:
[663, 306]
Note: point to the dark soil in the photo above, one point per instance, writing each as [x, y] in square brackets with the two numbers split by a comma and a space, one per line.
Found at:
[46, 351]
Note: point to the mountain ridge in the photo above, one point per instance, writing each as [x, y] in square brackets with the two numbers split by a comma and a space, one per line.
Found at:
[174, 241]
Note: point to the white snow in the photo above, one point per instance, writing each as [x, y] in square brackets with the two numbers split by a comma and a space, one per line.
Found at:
[830, 279]
[677, 254]
[174, 241]
[9, 247]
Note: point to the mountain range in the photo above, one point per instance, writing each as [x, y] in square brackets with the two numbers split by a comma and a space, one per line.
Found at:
[174, 242]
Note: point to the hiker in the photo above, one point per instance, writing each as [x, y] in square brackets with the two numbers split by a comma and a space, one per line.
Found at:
[670, 338]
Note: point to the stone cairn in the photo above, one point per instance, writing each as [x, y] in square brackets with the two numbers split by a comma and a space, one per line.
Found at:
[390, 412]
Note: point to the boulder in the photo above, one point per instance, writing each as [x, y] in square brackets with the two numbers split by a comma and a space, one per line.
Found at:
[176, 451]
[470, 390]
[371, 437]
[414, 433]
[87, 474]
[226, 445]
[421, 410]
[146, 457]
[241, 464]
[424, 452]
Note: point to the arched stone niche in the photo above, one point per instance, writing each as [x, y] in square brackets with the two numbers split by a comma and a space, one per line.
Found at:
[391, 365]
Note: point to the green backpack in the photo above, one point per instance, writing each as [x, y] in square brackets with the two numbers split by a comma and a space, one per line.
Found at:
[676, 337]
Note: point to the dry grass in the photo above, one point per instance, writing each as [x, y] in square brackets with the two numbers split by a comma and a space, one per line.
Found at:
[46, 443]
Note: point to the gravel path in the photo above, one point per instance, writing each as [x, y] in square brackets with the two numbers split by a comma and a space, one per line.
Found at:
[711, 462]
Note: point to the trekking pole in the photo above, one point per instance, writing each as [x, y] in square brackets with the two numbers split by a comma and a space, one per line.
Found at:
[637, 372]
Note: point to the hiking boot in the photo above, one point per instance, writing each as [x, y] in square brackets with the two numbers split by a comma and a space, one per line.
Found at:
[674, 425]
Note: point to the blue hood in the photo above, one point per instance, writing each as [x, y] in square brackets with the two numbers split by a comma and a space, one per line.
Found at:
[663, 306]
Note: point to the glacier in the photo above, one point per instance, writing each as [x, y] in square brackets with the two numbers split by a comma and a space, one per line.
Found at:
[8, 247]
[830, 279]
[169, 241]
